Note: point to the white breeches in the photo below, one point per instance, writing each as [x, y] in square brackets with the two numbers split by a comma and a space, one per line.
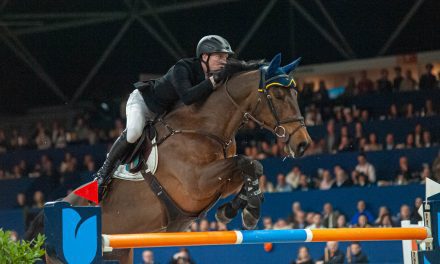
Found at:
[137, 115]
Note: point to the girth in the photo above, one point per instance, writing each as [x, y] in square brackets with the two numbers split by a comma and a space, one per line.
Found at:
[176, 216]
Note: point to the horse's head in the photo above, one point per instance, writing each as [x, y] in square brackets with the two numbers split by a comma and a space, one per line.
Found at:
[276, 107]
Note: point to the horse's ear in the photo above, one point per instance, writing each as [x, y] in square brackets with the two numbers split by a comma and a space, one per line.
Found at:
[274, 65]
[292, 66]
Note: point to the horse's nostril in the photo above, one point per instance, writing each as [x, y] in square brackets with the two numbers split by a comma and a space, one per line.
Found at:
[302, 147]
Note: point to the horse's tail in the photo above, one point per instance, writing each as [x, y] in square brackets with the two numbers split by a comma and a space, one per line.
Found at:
[36, 227]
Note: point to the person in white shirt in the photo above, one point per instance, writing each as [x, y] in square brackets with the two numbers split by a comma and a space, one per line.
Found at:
[365, 167]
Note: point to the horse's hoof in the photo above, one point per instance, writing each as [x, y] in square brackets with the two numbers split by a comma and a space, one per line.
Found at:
[250, 217]
[225, 213]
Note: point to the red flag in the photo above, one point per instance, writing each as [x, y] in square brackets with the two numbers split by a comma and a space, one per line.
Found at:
[88, 191]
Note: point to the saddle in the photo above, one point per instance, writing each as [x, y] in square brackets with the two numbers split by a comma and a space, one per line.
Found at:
[142, 150]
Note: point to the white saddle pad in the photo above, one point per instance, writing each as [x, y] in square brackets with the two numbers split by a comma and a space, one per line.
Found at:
[122, 172]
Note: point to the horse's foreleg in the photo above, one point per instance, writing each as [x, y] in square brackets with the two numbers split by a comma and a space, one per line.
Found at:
[250, 197]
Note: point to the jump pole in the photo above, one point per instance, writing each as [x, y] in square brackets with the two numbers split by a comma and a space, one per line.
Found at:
[261, 236]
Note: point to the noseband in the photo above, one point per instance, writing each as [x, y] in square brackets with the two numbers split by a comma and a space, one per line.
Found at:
[279, 130]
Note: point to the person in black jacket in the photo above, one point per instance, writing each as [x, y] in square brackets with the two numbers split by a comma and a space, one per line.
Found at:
[190, 80]
[355, 254]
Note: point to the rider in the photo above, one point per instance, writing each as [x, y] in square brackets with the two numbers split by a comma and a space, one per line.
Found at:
[190, 80]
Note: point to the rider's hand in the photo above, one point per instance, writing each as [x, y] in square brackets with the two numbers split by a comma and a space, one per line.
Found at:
[232, 67]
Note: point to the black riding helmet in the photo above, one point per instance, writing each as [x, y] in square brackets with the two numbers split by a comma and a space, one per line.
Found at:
[212, 44]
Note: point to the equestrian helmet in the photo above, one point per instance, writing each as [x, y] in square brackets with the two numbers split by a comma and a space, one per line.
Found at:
[213, 43]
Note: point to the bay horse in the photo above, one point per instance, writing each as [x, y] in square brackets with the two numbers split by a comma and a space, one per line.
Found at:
[196, 169]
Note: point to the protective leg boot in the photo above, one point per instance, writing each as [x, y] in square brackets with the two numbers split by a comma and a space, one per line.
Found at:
[118, 152]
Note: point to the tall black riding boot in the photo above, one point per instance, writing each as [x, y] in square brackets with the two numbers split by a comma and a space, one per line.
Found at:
[118, 152]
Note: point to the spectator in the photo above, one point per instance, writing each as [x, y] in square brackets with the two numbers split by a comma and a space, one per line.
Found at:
[355, 254]
[386, 221]
[365, 116]
[404, 173]
[409, 111]
[389, 142]
[365, 85]
[341, 178]
[345, 145]
[304, 183]
[303, 256]
[330, 137]
[362, 222]
[18, 141]
[426, 139]
[330, 217]
[415, 216]
[21, 201]
[383, 210]
[16, 172]
[393, 112]
[38, 200]
[408, 83]
[194, 227]
[398, 79]
[267, 223]
[182, 257]
[265, 185]
[358, 133]
[222, 227]
[213, 226]
[404, 214]
[425, 174]
[317, 222]
[281, 224]
[300, 220]
[3, 142]
[365, 167]
[296, 207]
[42, 140]
[373, 145]
[351, 89]
[383, 84]
[429, 109]
[332, 254]
[409, 142]
[2, 174]
[428, 80]
[81, 130]
[282, 186]
[147, 257]
[204, 225]
[341, 222]
[418, 136]
[361, 210]
[292, 178]
[326, 180]
[313, 116]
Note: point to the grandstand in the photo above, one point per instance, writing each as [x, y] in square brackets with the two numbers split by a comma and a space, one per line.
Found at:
[368, 83]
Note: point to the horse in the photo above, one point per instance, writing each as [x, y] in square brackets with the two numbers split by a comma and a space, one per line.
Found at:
[197, 160]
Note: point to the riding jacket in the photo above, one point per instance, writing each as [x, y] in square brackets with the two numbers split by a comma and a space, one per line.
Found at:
[185, 81]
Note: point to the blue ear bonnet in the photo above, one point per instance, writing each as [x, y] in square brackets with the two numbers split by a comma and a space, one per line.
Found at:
[275, 75]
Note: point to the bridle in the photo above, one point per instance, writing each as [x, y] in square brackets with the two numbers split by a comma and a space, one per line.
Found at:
[279, 130]
[265, 85]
